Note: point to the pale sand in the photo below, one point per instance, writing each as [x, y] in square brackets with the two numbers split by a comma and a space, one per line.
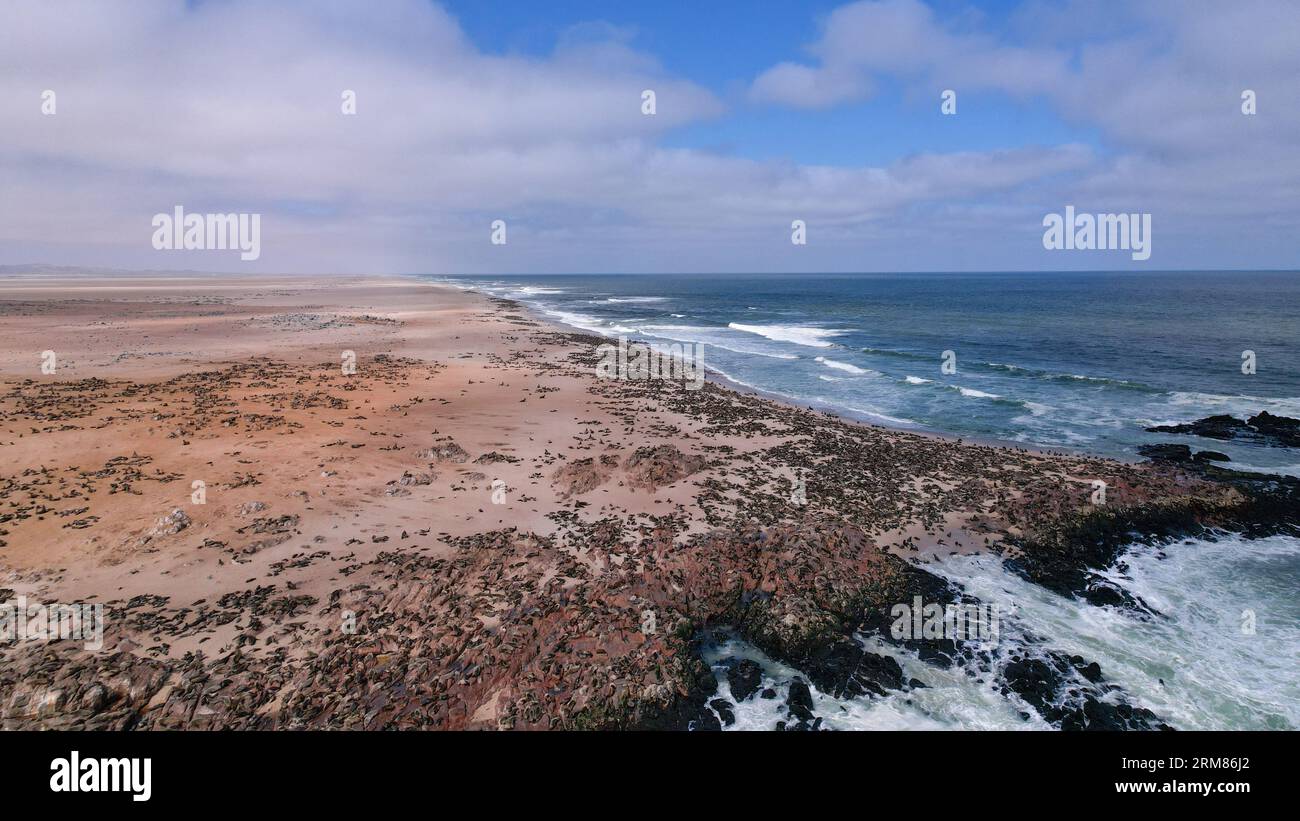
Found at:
[151, 331]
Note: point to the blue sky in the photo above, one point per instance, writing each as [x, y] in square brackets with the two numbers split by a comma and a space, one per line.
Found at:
[685, 38]
[529, 112]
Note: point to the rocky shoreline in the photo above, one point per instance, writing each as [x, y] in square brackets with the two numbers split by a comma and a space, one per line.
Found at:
[650, 517]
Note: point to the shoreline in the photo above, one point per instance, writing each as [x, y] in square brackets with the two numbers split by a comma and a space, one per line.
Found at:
[375, 494]
[824, 407]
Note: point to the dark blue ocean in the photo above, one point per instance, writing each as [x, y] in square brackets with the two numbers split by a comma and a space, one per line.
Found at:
[1074, 361]
[1078, 361]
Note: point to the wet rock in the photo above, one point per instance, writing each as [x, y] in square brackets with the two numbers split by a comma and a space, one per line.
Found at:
[745, 677]
[942, 652]
[1219, 426]
[846, 670]
[1062, 691]
[1166, 453]
[725, 711]
[799, 701]
[1102, 592]
[1091, 671]
[707, 722]
[1263, 428]
[1283, 430]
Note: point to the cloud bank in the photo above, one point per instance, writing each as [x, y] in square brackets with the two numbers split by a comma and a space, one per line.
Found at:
[236, 107]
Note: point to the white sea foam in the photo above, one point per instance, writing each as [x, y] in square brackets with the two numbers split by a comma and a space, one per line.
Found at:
[1280, 470]
[1241, 405]
[893, 420]
[846, 367]
[974, 394]
[916, 380]
[710, 337]
[734, 380]
[797, 334]
[951, 700]
[1193, 665]
[582, 321]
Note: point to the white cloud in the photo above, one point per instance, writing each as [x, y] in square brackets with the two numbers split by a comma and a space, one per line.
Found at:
[1158, 80]
[234, 106]
[902, 37]
[806, 87]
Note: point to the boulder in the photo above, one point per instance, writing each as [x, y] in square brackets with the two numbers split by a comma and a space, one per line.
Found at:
[1166, 453]
[745, 677]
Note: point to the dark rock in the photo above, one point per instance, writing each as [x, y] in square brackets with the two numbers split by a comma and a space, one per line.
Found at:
[744, 676]
[1092, 672]
[725, 712]
[707, 722]
[1263, 428]
[845, 670]
[1283, 430]
[932, 589]
[1211, 456]
[1033, 680]
[1101, 592]
[1220, 426]
[1064, 692]
[800, 702]
[1166, 453]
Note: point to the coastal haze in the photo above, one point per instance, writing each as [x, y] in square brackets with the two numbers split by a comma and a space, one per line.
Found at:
[904, 365]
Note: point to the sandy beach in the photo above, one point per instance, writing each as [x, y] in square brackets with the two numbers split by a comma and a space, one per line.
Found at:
[471, 530]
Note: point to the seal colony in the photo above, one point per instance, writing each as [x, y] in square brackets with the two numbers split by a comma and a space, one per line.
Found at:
[473, 530]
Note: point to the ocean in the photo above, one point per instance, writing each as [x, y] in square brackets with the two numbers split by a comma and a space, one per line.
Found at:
[1079, 362]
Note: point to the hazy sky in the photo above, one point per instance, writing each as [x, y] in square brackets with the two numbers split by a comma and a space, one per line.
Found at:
[531, 112]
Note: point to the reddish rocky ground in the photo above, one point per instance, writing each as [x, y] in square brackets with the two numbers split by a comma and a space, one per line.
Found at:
[472, 530]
